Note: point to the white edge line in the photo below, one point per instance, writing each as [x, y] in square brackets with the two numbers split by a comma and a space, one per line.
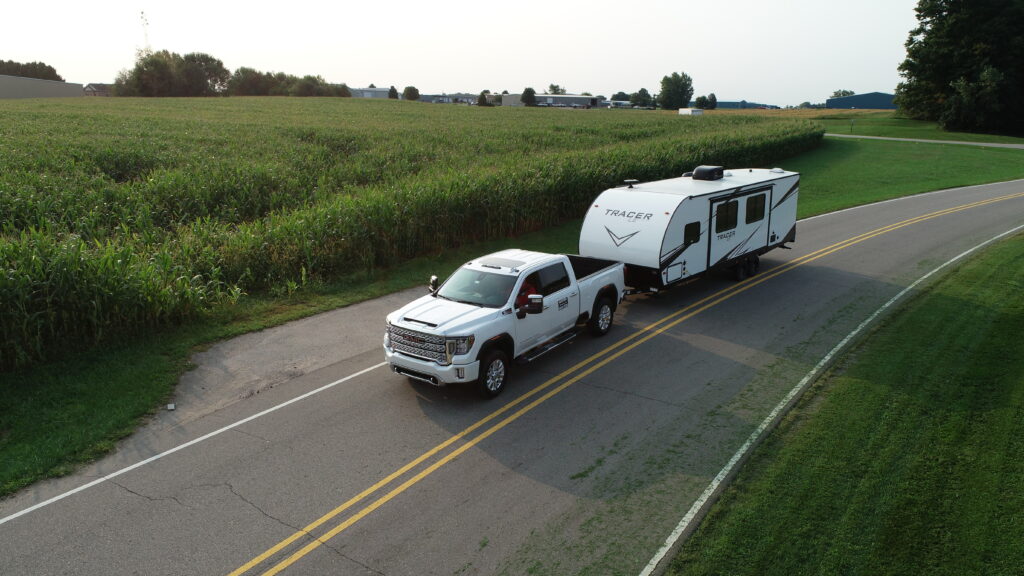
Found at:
[185, 445]
[710, 493]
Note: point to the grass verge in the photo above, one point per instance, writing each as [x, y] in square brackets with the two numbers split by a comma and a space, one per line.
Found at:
[69, 411]
[888, 125]
[905, 460]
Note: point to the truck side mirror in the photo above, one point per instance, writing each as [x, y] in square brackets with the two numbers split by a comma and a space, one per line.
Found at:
[433, 284]
[534, 304]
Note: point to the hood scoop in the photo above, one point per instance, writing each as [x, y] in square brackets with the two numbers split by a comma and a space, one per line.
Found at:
[425, 323]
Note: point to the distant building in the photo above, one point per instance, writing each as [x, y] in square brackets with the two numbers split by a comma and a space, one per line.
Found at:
[456, 98]
[370, 92]
[18, 87]
[741, 105]
[98, 89]
[870, 101]
[553, 100]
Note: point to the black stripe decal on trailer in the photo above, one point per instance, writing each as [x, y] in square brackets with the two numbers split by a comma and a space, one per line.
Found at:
[786, 196]
[739, 246]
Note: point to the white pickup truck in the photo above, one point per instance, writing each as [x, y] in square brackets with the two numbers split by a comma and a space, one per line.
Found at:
[512, 304]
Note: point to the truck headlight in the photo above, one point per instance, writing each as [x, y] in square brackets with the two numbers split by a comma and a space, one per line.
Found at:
[458, 346]
[387, 334]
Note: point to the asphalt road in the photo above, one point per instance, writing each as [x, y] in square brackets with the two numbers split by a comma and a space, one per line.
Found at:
[584, 465]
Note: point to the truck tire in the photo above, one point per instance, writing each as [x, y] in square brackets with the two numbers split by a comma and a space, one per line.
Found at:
[601, 320]
[493, 373]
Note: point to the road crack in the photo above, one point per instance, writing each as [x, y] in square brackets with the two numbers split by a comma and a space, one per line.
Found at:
[342, 555]
[629, 393]
[152, 498]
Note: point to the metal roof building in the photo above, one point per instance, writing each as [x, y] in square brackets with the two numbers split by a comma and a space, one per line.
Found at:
[19, 87]
[870, 101]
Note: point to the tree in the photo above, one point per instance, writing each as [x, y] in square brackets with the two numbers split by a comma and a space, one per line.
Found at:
[29, 70]
[410, 93]
[963, 65]
[166, 73]
[620, 96]
[202, 75]
[712, 101]
[371, 86]
[676, 91]
[555, 89]
[529, 97]
[641, 98]
[585, 94]
[842, 93]
[393, 93]
[702, 102]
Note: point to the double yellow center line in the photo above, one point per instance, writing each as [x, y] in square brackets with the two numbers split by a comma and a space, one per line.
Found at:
[520, 406]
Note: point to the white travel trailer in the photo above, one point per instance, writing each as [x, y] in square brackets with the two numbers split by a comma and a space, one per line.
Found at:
[670, 230]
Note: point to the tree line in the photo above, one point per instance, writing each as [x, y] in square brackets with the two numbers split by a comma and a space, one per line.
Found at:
[676, 92]
[29, 70]
[165, 73]
[963, 67]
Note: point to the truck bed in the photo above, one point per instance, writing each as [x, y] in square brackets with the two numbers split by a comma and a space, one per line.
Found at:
[583, 266]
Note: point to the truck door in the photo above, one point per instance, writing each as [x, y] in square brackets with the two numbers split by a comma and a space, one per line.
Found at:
[561, 307]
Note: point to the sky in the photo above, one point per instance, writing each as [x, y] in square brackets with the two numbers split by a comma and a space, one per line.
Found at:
[771, 52]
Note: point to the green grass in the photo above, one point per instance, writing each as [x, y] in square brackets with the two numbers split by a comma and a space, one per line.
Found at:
[887, 124]
[905, 460]
[844, 173]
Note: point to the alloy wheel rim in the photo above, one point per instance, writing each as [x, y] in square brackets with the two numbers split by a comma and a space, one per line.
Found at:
[495, 375]
[604, 318]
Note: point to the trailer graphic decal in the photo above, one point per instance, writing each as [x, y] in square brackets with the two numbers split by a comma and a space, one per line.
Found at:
[786, 196]
[619, 240]
[738, 249]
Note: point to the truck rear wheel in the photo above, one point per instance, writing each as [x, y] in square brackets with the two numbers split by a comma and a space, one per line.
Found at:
[601, 321]
[493, 373]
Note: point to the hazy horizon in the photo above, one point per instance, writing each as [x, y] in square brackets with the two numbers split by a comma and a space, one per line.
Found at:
[738, 49]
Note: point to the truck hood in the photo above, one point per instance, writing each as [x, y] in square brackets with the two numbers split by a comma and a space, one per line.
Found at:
[440, 316]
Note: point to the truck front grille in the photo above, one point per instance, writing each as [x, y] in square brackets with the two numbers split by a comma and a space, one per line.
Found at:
[418, 344]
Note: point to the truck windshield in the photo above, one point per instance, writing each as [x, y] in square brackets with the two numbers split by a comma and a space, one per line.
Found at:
[476, 287]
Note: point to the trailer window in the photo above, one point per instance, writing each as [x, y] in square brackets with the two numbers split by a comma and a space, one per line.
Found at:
[553, 278]
[725, 218]
[691, 234]
[755, 208]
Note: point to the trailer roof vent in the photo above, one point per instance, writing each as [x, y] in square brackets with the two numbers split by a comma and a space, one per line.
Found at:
[708, 173]
[629, 183]
[777, 170]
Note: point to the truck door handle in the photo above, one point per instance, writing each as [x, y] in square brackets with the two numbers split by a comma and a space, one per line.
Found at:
[573, 294]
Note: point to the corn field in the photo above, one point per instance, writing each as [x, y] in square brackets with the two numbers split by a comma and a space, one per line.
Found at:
[121, 214]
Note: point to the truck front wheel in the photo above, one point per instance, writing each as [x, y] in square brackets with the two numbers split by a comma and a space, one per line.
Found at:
[493, 373]
[601, 321]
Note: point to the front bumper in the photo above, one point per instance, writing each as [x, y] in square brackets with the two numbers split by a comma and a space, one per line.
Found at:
[430, 371]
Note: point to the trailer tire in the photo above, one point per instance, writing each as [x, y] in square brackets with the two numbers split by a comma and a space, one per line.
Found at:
[753, 264]
[601, 320]
[494, 373]
[740, 271]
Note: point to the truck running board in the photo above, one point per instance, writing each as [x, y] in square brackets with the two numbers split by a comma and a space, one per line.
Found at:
[548, 346]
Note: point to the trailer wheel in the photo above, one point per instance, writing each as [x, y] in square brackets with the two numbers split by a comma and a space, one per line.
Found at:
[740, 271]
[753, 264]
[494, 373]
[601, 321]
